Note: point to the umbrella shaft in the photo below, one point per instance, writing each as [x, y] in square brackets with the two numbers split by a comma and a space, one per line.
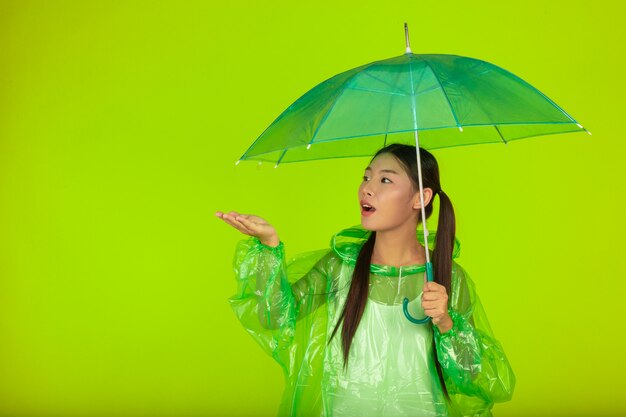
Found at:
[423, 210]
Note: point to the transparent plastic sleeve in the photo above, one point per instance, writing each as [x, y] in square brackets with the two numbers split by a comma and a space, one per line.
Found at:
[476, 370]
[282, 304]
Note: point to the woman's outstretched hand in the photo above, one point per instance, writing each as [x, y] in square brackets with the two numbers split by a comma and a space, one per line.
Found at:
[251, 225]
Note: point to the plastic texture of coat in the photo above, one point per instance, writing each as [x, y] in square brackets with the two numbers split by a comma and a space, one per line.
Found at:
[291, 306]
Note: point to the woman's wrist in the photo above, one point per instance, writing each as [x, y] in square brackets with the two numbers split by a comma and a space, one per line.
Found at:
[272, 241]
[447, 328]
[446, 324]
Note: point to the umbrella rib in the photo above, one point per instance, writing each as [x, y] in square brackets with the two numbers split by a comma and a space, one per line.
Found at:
[443, 91]
[422, 92]
[391, 93]
[330, 109]
[413, 106]
[281, 157]
[543, 95]
[284, 111]
[500, 133]
[478, 103]
[393, 87]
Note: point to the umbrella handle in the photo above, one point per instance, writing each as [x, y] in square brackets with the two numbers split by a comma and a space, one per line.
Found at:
[405, 302]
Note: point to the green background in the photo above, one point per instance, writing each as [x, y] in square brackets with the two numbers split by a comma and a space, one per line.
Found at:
[120, 123]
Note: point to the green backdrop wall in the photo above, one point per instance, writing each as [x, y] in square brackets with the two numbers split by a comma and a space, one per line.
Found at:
[120, 123]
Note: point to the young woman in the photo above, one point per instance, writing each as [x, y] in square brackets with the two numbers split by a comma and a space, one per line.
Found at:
[334, 320]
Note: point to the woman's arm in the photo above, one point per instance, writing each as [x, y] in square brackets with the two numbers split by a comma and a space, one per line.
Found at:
[279, 300]
[473, 361]
[267, 303]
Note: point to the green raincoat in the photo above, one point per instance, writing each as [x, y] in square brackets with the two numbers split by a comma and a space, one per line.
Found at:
[290, 307]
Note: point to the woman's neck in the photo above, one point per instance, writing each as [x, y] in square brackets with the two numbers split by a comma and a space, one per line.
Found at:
[398, 247]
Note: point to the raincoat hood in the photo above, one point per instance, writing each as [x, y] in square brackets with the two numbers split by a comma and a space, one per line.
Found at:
[348, 242]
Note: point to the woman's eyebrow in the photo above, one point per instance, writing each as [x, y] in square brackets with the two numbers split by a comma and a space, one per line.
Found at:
[383, 170]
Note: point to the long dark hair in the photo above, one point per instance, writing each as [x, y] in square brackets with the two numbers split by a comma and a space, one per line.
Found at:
[442, 251]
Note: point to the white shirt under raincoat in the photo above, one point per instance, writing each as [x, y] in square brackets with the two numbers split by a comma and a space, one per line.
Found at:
[290, 307]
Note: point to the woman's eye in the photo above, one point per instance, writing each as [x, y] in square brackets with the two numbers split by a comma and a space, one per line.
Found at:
[384, 180]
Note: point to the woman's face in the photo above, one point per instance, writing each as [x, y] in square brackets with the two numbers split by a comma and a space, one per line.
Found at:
[386, 188]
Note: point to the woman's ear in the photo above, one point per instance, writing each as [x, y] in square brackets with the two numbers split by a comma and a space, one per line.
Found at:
[428, 195]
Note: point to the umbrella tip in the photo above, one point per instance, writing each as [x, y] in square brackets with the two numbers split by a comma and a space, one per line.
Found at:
[406, 37]
[581, 126]
[237, 163]
[276, 166]
[461, 128]
[308, 146]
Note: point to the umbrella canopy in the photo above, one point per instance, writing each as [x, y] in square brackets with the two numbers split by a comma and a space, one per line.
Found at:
[451, 100]
[430, 100]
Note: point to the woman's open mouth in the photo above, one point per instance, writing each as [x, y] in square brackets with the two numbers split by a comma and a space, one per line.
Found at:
[367, 209]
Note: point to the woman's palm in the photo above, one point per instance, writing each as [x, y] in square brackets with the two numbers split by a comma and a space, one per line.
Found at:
[251, 225]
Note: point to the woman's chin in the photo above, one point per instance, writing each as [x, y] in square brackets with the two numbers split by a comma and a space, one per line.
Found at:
[367, 225]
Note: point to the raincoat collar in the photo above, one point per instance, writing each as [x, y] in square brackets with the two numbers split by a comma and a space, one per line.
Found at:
[348, 242]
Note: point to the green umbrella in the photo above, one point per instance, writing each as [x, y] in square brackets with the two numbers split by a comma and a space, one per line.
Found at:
[430, 100]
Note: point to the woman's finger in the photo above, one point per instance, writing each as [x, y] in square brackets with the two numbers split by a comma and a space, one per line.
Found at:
[237, 225]
[248, 223]
[242, 228]
[432, 286]
[247, 229]
[431, 295]
[426, 305]
[255, 219]
[434, 312]
[230, 215]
